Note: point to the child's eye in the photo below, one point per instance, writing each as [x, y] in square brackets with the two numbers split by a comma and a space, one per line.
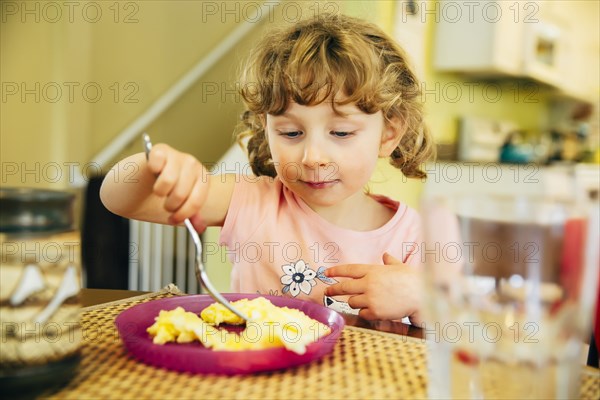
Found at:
[341, 134]
[291, 134]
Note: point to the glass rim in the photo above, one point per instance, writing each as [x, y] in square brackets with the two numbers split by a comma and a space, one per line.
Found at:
[512, 208]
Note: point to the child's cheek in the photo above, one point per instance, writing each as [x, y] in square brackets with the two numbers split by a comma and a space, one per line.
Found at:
[290, 172]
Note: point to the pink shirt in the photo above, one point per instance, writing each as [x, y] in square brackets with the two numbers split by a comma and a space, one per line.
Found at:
[280, 246]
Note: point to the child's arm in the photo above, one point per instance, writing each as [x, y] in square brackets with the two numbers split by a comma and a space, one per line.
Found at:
[382, 292]
[168, 188]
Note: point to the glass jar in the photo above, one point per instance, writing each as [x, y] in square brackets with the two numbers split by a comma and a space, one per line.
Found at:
[40, 280]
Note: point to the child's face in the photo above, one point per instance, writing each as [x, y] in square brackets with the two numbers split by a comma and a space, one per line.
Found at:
[323, 157]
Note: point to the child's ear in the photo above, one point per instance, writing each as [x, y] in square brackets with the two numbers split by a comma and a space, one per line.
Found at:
[390, 138]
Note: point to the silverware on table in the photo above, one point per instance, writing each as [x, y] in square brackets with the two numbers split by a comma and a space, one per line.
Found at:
[200, 270]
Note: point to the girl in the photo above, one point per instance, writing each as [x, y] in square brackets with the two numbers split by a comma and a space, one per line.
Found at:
[325, 99]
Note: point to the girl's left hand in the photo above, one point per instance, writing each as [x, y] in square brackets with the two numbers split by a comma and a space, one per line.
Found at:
[382, 292]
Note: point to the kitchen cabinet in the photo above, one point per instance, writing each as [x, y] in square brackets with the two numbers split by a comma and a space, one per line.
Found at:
[567, 181]
[477, 37]
[551, 42]
[580, 73]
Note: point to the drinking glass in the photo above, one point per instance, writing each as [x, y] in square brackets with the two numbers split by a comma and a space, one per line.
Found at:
[40, 280]
[511, 283]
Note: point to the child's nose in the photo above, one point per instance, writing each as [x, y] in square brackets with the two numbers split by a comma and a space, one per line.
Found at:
[314, 154]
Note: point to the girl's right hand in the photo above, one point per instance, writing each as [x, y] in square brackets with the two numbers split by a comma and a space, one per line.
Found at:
[181, 180]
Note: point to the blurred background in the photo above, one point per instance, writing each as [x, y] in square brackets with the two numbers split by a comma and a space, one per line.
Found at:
[511, 91]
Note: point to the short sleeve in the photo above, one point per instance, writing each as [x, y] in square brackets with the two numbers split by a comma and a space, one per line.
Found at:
[251, 199]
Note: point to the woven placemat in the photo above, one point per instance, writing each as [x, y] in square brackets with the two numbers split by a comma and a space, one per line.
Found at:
[364, 364]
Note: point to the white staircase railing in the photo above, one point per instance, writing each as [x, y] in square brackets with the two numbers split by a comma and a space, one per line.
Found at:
[163, 254]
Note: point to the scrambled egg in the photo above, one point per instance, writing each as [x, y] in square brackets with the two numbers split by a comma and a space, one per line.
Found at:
[269, 326]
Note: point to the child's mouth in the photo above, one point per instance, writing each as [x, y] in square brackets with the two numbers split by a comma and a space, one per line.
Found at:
[321, 184]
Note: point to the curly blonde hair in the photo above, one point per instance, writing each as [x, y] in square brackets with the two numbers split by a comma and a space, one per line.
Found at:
[313, 61]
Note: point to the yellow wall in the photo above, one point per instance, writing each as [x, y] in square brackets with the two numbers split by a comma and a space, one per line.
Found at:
[145, 58]
[45, 121]
[118, 58]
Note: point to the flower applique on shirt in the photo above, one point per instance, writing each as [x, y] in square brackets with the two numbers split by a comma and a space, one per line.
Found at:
[298, 278]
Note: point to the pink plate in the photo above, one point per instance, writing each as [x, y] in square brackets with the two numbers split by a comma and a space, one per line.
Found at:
[195, 358]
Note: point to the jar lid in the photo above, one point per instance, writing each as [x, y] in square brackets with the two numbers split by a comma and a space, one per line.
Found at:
[24, 210]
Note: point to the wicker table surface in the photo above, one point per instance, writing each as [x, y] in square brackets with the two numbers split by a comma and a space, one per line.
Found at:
[364, 364]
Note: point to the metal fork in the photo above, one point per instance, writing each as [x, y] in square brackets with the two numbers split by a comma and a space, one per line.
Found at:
[200, 270]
